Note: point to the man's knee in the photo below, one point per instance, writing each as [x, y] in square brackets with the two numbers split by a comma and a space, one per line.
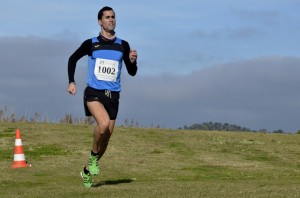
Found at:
[102, 127]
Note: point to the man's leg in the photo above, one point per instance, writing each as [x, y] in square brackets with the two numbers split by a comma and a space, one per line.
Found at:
[102, 133]
[105, 139]
[104, 128]
[101, 130]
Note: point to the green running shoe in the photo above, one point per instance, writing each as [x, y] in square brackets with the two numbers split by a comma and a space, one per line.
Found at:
[87, 179]
[93, 165]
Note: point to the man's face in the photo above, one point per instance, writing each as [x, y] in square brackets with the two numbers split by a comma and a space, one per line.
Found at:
[108, 21]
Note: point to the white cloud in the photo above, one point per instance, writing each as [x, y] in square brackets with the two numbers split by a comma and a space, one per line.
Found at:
[258, 93]
[255, 93]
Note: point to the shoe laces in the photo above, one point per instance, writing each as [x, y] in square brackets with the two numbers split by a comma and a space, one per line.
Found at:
[87, 178]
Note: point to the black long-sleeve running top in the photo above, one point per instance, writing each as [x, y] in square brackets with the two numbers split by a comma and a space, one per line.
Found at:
[85, 49]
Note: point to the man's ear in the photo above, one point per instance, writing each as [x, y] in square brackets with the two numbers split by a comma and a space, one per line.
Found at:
[100, 22]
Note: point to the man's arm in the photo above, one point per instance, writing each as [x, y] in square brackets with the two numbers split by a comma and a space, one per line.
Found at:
[83, 50]
[130, 59]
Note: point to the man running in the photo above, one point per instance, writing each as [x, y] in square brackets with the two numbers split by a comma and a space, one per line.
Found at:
[101, 96]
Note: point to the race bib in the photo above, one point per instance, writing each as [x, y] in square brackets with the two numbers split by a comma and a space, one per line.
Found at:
[106, 70]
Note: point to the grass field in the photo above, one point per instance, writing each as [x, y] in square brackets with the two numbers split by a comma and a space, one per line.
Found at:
[150, 163]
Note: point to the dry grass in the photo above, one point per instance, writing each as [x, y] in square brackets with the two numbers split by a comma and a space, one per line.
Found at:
[151, 163]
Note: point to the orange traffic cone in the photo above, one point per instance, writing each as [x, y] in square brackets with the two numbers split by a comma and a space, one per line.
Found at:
[19, 157]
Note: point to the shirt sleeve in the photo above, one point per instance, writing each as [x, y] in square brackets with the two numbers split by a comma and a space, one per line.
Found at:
[83, 50]
[131, 67]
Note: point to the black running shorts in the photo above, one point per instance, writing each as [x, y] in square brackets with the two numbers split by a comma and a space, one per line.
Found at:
[109, 99]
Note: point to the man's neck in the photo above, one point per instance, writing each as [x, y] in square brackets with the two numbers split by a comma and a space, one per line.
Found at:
[108, 35]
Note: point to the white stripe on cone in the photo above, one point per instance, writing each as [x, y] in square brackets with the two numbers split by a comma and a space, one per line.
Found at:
[18, 142]
[19, 157]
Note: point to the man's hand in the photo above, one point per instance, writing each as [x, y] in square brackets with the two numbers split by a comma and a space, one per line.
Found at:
[133, 56]
[72, 88]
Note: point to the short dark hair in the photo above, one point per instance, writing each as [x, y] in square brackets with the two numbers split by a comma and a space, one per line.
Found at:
[105, 8]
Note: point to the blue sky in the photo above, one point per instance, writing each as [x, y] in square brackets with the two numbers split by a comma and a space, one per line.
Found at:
[194, 33]
[177, 41]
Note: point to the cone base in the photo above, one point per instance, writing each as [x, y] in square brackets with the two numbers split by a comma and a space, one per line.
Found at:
[20, 165]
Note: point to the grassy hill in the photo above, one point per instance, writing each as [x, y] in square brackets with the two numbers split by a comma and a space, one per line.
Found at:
[150, 163]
